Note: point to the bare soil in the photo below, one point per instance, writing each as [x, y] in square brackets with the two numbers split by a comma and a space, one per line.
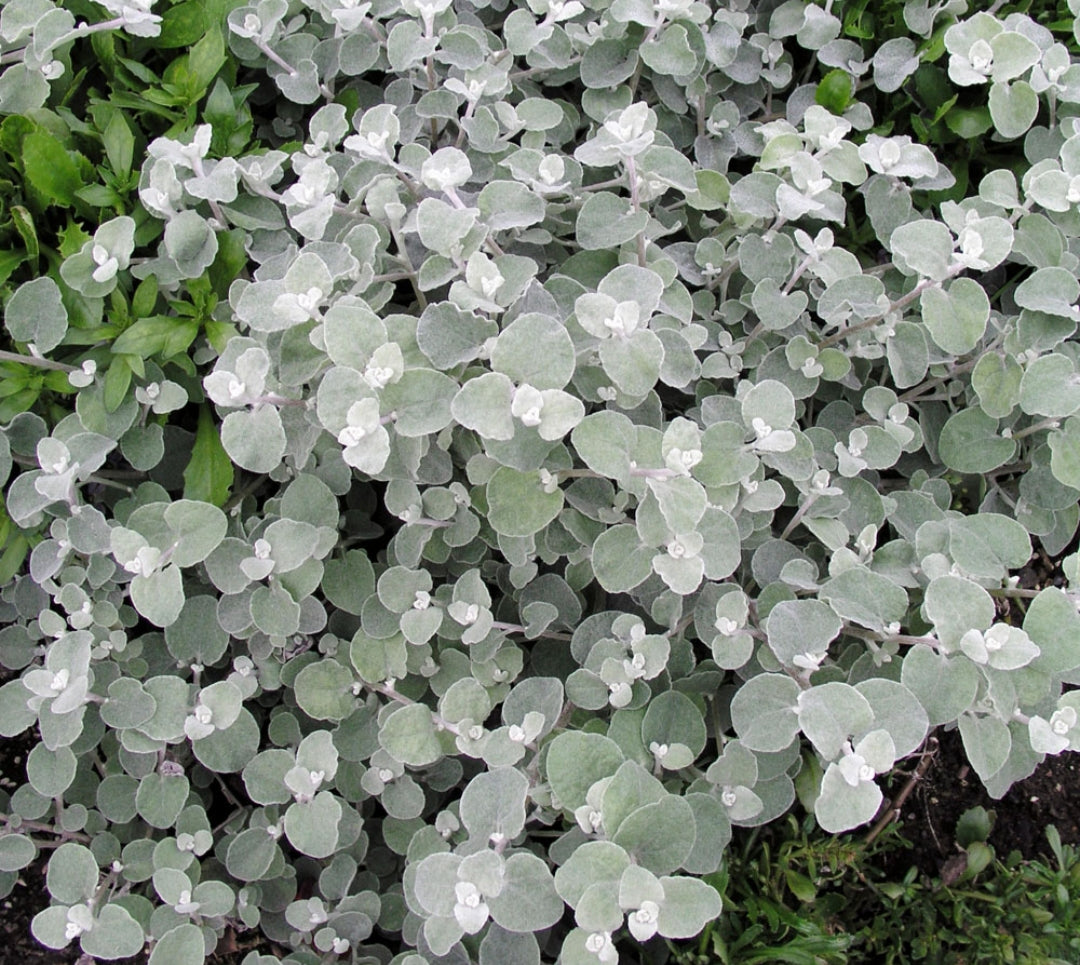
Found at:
[949, 788]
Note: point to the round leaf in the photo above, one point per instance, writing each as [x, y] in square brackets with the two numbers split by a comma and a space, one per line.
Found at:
[923, 247]
[576, 760]
[420, 401]
[191, 243]
[1013, 108]
[763, 712]
[227, 750]
[254, 438]
[841, 807]
[324, 690]
[161, 798]
[955, 605]
[620, 560]
[535, 349]
[50, 772]
[519, 503]
[159, 597]
[898, 711]
[72, 875]
[671, 718]
[633, 363]
[196, 636]
[35, 313]
[312, 826]
[182, 945]
[831, 714]
[606, 221]
[970, 443]
[659, 836]
[1053, 625]
[250, 854]
[493, 803]
[116, 934]
[956, 317]
[1065, 452]
[16, 852]
[1049, 387]
[408, 735]
[689, 904]
[797, 627]
[528, 901]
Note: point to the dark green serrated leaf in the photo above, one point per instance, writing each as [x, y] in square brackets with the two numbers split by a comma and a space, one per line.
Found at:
[49, 168]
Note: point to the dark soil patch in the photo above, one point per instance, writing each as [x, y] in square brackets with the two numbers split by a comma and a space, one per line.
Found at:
[16, 911]
[949, 788]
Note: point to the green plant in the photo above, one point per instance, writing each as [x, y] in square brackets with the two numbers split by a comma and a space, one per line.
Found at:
[794, 895]
[991, 911]
[481, 459]
[770, 879]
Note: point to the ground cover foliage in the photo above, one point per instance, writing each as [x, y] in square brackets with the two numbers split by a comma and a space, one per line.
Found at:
[464, 459]
[795, 896]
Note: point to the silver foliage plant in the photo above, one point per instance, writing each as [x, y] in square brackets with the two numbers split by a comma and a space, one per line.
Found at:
[662, 474]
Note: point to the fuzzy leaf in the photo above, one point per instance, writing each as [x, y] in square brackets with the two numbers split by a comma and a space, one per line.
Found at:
[72, 874]
[689, 905]
[797, 627]
[658, 836]
[159, 597]
[483, 405]
[1049, 387]
[420, 400]
[1013, 107]
[923, 247]
[831, 714]
[519, 504]
[535, 349]
[35, 313]
[607, 221]
[1065, 452]
[116, 934]
[160, 799]
[493, 803]
[969, 442]
[897, 711]
[956, 317]
[528, 901]
[182, 945]
[841, 807]
[576, 760]
[955, 605]
[1052, 290]
[987, 742]
[1053, 625]
[311, 826]
[508, 204]
[408, 735]
[764, 712]
[254, 438]
[620, 560]
[324, 690]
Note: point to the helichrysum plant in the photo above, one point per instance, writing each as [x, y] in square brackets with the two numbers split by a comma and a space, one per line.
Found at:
[447, 494]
